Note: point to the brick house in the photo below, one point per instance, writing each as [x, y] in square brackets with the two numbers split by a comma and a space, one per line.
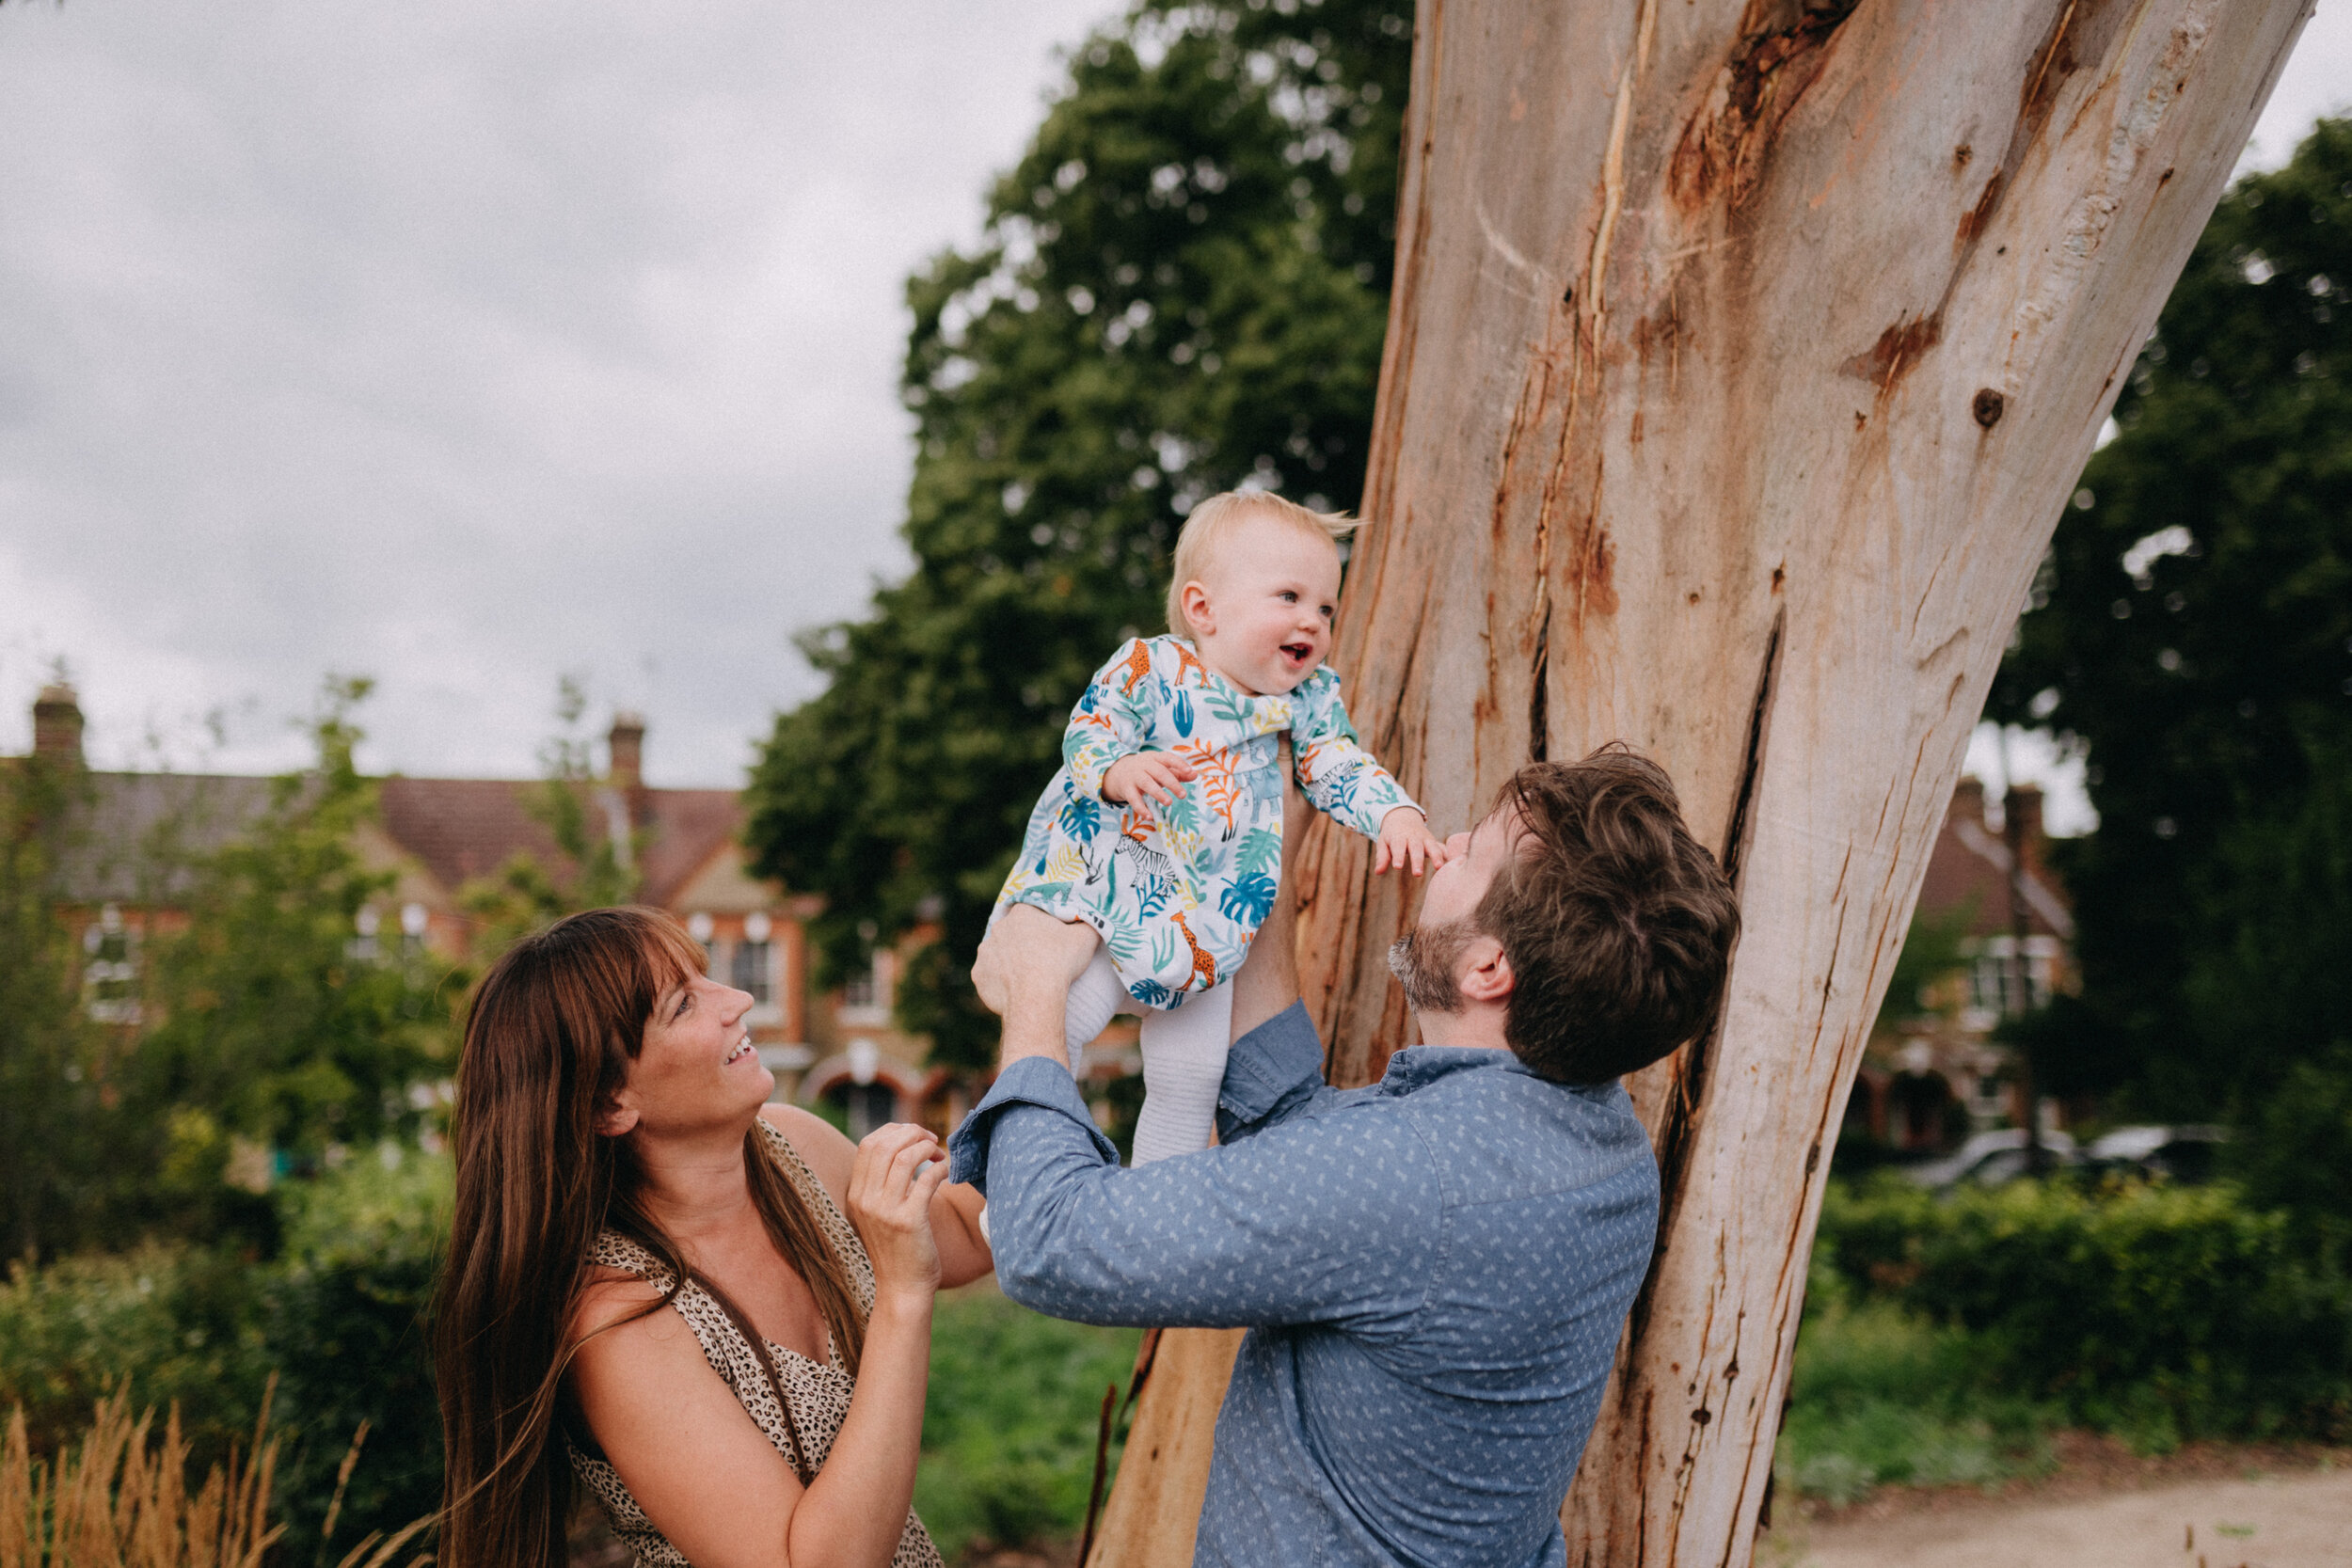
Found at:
[434, 836]
[1933, 1073]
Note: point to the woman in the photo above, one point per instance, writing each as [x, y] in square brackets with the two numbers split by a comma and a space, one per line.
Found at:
[651, 1285]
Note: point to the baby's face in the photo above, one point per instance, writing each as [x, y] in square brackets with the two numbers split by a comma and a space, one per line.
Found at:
[1271, 599]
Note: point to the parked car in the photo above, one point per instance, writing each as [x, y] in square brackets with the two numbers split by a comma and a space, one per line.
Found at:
[1989, 1159]
[2187, 1153]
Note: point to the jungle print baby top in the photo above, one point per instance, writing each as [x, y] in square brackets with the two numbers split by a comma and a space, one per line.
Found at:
[1178, 892]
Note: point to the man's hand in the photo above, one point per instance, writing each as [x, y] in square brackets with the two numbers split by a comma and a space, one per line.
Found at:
[1268, 982]
[1023, 974]
[1404, 836]
[1159, 776]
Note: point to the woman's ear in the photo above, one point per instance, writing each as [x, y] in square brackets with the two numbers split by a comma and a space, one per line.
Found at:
[1199, 613]
[614, 1119]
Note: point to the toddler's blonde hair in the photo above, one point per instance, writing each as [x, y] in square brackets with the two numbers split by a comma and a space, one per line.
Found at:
[1209, 532]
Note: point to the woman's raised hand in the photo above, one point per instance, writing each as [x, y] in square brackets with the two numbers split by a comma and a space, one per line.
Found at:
[890, 1203]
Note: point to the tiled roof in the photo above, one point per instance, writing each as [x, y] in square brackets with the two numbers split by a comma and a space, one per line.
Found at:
[458, 829]
[687, 827]
[467, 828]
[130, 835]
[1970, 862]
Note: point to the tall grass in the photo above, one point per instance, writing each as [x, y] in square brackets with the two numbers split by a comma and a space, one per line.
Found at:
[119, 1498]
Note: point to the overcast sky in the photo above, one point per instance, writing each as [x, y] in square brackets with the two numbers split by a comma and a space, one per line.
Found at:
[463, 345]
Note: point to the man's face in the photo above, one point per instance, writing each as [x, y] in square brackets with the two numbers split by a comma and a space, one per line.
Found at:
[1472, 861]
[1428, 962]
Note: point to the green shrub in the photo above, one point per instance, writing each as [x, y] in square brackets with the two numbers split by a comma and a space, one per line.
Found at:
[337, 1319]
[342, 1320]
[2155, 1311]
[173, 1325]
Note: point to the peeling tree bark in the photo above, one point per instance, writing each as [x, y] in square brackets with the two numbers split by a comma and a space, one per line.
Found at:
[1740, 360]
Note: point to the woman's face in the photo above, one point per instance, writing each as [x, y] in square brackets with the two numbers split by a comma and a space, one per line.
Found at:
[697, 1072]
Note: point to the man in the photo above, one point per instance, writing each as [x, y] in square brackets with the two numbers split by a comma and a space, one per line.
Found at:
[1435, 1268]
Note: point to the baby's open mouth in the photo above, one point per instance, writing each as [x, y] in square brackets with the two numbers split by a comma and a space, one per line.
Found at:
[1297, 653]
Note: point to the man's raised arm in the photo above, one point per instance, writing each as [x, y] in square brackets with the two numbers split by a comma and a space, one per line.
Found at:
[1268, 983]
[1283, 1227]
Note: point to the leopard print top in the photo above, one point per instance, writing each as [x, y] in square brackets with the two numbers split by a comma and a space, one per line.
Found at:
[816, 1398]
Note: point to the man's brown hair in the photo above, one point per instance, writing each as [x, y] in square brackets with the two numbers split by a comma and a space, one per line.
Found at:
[1618, 924]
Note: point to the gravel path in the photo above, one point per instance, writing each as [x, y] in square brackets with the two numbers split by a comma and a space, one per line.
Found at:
[2298, 1520]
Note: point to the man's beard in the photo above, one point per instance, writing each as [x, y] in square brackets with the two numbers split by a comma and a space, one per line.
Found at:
[1422, 961]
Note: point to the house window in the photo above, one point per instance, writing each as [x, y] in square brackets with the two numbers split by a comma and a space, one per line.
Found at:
[752, 971]
[415, 919]
[2004, 984]
[110, 970]
[865, 999]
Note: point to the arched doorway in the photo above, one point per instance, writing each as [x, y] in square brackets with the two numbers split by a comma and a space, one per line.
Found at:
[1924, 1116]
[864, 1087]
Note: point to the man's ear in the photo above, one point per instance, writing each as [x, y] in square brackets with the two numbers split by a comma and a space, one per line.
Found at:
[1486, 972]
[1199, 613]
[614, 1119]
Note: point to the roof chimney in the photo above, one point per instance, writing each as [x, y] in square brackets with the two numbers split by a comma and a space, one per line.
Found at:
[1969, 800]
[2023, 804]
[627, 742]
[57, 724]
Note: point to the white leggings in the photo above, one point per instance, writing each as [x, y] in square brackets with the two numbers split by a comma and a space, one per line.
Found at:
[1184, 1056]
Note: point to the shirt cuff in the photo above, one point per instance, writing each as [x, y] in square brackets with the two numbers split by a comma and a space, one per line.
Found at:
[1032, 1080]
[1382, 795]
[1277, 1061]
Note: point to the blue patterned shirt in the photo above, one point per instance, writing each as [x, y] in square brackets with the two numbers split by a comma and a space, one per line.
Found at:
[1435, 1271]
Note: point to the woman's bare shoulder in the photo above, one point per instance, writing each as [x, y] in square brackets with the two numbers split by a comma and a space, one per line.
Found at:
[612, 1299]
[826, 1147]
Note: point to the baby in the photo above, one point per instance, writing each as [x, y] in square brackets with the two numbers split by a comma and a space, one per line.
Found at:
[1163, 830]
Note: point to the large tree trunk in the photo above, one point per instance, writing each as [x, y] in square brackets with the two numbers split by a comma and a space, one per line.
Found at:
[1741, 360]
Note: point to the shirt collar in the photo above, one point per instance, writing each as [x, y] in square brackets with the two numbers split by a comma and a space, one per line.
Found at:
[1419, 1066]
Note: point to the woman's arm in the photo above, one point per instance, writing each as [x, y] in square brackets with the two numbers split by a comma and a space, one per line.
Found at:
[703, 1471]
[964, 1255]
[673, 1430]
[963, 1252]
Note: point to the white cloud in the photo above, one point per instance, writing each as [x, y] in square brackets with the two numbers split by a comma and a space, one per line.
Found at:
[2317, 81]
[466, 344]
[463, 345]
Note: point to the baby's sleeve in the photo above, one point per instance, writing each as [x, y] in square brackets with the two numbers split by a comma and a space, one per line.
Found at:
[1113, 718]
[1334, 770]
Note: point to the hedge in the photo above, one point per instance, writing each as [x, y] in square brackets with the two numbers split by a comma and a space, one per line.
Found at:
[2183, 1311]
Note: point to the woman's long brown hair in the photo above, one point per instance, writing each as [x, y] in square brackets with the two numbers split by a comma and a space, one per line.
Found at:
[552, 1031]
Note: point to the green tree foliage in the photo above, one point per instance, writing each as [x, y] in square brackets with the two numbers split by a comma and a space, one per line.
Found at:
[2193, 633]
[595, 872]
[52, 1063]
[1182, 288]
[276, 1020]
[1932, 951]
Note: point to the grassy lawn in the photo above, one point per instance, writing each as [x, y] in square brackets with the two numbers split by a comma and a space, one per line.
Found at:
[1883, 1397]
[1009, 1426]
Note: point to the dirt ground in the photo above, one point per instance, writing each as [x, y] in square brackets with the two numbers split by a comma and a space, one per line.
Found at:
[2205, 1507]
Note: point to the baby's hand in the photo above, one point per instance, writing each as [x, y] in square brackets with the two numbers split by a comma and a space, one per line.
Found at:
[1404, 836]
[1155, 775]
